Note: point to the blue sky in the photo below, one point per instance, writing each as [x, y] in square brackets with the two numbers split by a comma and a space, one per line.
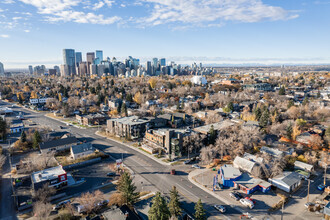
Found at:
[211, 31]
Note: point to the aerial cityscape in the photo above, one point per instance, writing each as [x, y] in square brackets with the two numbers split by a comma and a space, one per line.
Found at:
[163, 110]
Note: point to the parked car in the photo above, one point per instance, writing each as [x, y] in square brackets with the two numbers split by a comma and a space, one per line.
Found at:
[61, 204]
[247, 203]
[248, 198]
[111, 174]
[235, 195]
[321, 187]
[195, 166]
[308, 204]
[220, 208]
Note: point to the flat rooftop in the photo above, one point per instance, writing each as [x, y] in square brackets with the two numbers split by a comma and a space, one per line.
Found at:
[47, 174]
[250, 182]
[230, 172]
[216, 126]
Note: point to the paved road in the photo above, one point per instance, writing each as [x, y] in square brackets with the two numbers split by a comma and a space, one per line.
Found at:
[157, 174]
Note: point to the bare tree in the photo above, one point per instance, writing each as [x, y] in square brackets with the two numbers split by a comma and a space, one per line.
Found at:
[207, 154]
[2, 161]
[43, 194]
[42, 210]
[89, 200]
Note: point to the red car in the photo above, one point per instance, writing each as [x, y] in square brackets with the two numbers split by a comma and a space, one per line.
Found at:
[248, 198]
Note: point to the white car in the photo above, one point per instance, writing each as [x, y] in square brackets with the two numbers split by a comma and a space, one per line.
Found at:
[247, 203]
[196, 166]
[220, 208]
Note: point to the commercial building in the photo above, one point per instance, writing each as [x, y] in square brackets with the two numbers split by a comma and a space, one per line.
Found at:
[58, 144]
[298, 165]
[2, 69]
[287, 181]
[229, 174]
[244, 164]
[162, 62]
[93, 119]
[90, 56]
[81, 150]
[248, 184]
[69, 58]
[78, 58]
[30, 69]
[99, 57]
[55, 177]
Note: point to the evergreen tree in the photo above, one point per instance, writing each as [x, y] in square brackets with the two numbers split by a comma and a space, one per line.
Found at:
[230, 106]
[212, 135]
[3, 128]
[318, 94]
[127, 189]
[174, 204]
[36, 140]
[23, 137]
[305, 102]
[289, 131]
[112, 82]
[159, 209]
[264, 119]
[281, 91]
[257, 113]
[291, 103]
[199, 211]
[123, 109]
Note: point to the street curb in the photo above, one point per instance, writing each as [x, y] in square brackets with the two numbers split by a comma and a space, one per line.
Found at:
[133, 148]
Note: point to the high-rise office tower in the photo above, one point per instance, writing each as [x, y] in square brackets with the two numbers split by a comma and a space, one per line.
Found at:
[90, 60]
[2, 69]
[30, 69]
[78, 58]
[69, 58]
[163, 62]
[99, 57]
[58, 71]
[149, 68]
[83, 68]
[155, 62]
[64, 70]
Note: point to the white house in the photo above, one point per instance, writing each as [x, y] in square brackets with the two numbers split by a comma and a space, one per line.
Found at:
[82, 150]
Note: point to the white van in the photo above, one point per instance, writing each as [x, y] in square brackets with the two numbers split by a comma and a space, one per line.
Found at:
[247, 203]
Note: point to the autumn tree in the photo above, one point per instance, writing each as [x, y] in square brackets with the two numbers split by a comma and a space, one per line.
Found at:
[159, 209]
[152, 82]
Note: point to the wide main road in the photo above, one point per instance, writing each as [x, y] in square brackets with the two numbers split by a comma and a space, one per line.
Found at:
[154, 172]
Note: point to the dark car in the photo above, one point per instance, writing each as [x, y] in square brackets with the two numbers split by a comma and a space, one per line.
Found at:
[220, 208]
[235, 195]
[321, 187]
[111, 174]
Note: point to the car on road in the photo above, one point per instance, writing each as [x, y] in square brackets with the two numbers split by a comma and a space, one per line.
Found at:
[321, 187]
[61, 204]
[220, 208]
[195, 166]
[187, 162]
[111, 174]
[235, 195]
[61, 127]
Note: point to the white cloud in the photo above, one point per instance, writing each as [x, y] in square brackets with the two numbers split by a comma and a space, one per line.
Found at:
[63, 10]
[212, 12]
[8, 1]
[27, 31]
[4, 36]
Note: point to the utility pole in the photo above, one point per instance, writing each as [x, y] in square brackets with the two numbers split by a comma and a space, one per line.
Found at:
[325, 174]
[282, 210]
[308, 190]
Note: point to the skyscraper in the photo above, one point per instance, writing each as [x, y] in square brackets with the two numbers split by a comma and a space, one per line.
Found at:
[99, 57]
[163, 62]
[30, 69]
[69, 58]
[149, 69]
[90, 60]
[78, 58]
[155, 62]
[2, 69]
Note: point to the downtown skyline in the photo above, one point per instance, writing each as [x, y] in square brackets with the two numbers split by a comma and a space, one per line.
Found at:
[216, 32]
